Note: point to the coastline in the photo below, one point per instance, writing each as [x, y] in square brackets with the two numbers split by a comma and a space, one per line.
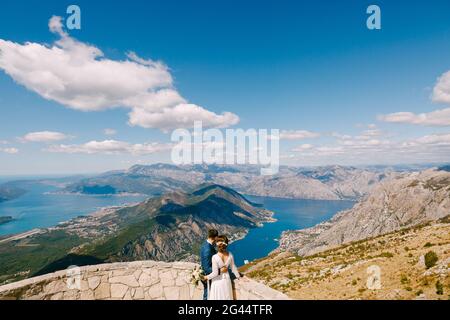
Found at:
[104, 211]
[120, 194]
[6, 219]
[23, 235]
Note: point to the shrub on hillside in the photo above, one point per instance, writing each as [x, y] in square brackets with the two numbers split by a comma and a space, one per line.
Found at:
[404, 279]
[430, 259]
[439, 288]
[386, 255]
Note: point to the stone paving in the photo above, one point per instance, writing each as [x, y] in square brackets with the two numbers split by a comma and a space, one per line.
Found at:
[140, 280]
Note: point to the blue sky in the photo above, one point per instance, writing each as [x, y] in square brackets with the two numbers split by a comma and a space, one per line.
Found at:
[298, 66]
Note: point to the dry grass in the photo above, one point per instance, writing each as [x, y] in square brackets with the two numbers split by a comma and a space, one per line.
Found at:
[342, 273]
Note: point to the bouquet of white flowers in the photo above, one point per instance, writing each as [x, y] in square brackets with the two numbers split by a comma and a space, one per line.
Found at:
[197, 275]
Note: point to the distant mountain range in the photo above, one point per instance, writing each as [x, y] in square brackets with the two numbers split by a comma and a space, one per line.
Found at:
[398, 202]
[169, 227]
[321, 183]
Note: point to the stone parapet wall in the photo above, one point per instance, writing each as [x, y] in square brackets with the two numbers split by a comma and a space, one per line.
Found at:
[140, 280]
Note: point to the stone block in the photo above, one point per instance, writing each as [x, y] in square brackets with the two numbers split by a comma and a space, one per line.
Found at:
[181, 280]
[129, 280]
[184, 292]
[118, 290]
[84, 285]
[146, 280]
[155, 291]
[57, 296]
[93, 282]
[87, 295]
[102, 291]
[55, 287]
[138, 294]
[71, 295]
[137, 274]
[172, 293]
[128, 296]
[166, 279]
[198, 294]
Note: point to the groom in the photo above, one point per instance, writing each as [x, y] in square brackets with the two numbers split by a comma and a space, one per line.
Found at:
[206, 253]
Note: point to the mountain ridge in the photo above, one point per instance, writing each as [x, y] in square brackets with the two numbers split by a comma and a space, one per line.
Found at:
[396, 203]
[320, 183]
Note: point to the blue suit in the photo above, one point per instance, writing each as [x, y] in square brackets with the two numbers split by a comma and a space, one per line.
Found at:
[206, 253]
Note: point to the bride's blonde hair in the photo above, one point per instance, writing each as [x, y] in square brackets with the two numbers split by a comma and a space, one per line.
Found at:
[222, 246]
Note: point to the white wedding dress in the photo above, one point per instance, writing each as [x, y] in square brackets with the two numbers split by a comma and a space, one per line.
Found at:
[220, 287]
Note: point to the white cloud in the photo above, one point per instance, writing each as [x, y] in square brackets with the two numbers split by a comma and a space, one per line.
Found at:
[330, 150]
[341, 136]
[298, 134]
[441, 91]
[78, 76]
[369, 140]
[9, 150]
[438, 118]
[56, 26]
[364, 143]
[351, 150]
[437, 139]
[110, 147]
[370, 134]
[44, 136]
[180, 116]
[303, 147]
[110, 132]
[134, 57]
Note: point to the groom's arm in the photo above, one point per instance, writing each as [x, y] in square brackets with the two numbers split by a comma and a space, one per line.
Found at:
[205, 260]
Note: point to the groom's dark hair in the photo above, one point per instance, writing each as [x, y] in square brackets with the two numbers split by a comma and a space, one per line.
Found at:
[212, 233]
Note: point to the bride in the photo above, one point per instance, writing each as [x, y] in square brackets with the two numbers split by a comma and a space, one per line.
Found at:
[220, 287]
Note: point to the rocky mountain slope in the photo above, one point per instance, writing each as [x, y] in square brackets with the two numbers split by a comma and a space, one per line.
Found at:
[324, 183]
[169, 228]
[409, 264]
[399, 202]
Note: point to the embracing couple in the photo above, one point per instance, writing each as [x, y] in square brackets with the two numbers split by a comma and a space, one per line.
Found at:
[218, 267]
